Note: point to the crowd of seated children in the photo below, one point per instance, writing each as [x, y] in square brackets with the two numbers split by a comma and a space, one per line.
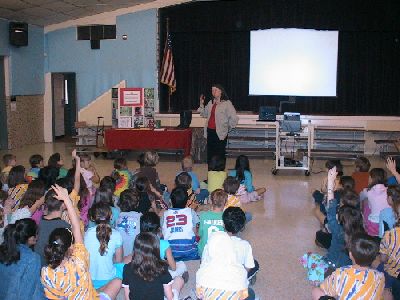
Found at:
[84, 236]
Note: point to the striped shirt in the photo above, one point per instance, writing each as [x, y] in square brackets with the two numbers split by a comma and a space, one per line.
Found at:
[70, 280]
[233, 201]
[350, 283]
[216, 294]
[16, 194]
[390, 246]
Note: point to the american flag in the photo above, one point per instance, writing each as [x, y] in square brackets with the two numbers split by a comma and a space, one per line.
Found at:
[167, 67]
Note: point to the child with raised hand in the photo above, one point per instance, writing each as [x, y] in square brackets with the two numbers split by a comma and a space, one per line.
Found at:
[30, 203]
[56, 161]
[187, 166]
[150, 222]
[67, 260]
[361, 174]
[242, 172]
[216, 173]
[211, 221]
[121, 175]
[17, 185]
[394, 168]
[146, 277]
[128, 222]
[374, 200]
[19, 265]
[357, 281]
[179, 226]
[36, 162]
[104, 245]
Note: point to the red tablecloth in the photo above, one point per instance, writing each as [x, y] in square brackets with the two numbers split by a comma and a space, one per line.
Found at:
[132, 139]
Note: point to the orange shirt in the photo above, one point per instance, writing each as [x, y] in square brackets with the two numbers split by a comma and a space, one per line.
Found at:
[360, 180]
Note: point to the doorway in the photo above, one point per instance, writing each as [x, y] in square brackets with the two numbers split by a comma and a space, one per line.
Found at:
[3, 110]
[64, 104]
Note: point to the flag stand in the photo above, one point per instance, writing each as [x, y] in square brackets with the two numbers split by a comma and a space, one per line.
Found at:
[169, 100]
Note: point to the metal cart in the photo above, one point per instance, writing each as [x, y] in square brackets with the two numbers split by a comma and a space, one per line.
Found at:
[287, 144]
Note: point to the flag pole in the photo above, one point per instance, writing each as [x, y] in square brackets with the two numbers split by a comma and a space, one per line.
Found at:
[169, 88]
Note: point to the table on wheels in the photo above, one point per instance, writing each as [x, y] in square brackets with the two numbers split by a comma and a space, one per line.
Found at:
[140, 139]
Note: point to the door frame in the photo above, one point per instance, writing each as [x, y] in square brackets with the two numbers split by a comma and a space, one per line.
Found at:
[3, 103]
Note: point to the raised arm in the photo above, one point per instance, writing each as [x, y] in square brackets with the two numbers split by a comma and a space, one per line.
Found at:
[77, 177]
[36, 205]
[62, 195]
[391, 166]
[203, 110]
[331, 183]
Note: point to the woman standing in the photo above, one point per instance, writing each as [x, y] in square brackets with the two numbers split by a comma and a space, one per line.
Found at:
[221, 118]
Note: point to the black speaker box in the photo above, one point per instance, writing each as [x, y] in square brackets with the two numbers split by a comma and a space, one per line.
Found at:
[95, 44]
[267, 113]
[185, 119]
[18, 34]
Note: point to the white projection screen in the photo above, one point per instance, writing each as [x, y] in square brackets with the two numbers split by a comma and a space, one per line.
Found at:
[293, 62]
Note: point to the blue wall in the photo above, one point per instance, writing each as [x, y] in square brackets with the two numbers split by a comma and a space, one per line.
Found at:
[26, 63]
[134, 60]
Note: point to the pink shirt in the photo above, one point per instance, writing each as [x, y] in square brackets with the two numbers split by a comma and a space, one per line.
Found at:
[377, 200]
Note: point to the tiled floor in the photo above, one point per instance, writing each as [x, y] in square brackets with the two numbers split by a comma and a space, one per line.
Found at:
[282, 229]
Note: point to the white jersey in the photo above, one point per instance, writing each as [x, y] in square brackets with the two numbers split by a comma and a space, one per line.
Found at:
[177, 224]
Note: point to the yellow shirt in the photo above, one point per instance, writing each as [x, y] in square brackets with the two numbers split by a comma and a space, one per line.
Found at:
[390, 246]
[215, 180]
[72, 279]
[351, 283]
[233, 200]
[16, 194]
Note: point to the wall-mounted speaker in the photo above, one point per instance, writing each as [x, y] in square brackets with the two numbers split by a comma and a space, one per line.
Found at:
[18, 34]
[95, 44]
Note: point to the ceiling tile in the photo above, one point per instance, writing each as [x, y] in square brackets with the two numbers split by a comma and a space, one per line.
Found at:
[39, 2]
[14, 4]
[36, 11]
[59, 6]
[6, 13]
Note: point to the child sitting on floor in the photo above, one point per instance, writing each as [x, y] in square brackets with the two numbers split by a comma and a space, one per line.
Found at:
[9, 161]
[357, 281]
[361, 174]
[36, 162]
[184, 180]
[388, 216]
[187, 166]
[393, 166]
[216, 173]
[121, 175]
[17, 186]
[179, 226]
[56, 161]
[211, 221]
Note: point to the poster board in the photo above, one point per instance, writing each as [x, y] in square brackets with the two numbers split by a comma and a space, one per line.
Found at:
[135, 107]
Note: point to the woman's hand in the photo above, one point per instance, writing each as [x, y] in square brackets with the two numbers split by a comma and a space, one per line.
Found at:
[202, 99]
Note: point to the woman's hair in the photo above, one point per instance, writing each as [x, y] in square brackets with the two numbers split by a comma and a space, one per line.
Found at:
[103, 195]
[362, 164]
[34, 192]
[150, 222]
[224, 95]
[35, 160]
[142, 184]
[231, 185]
[352, 221]
[218, 198]
[14, 235]
[335, 163]
[16, 176]
[151, 158]
[53, 160]
[100, 213]
[393, 192]
[146, 261]
[184, 180]
[187, 163]
[108, 182]
[49, 176]
[179, 197]
[59, 242]
[216, 163]
[120, 163]
[128, 200]
[378, 176]
[242, 164]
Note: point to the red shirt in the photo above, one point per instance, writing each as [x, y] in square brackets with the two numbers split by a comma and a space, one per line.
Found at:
[211, 120]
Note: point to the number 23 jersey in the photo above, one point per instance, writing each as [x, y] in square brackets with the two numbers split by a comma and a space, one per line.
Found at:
[178, 224]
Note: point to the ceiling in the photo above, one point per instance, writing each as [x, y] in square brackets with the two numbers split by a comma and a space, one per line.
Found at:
[47, 12]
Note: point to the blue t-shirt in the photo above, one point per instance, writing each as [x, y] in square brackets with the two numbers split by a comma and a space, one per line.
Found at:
[114, 217]
[128, 224]
[102, 266]
[195, 180]
[386, 215]
[391, 180]
[164, 245]
[248, 180]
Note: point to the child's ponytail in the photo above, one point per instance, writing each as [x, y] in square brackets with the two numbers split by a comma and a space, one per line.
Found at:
[101, 215]
[59, 242]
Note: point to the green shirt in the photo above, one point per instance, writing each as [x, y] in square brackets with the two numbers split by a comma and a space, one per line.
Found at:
[209, 222]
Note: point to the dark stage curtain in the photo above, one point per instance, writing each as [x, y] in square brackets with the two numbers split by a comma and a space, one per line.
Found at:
[211, 44]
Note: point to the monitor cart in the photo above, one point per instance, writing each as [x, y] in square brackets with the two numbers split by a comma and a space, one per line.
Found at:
[284, 159]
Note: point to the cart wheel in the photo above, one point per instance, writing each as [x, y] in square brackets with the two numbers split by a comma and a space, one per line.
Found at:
[274, 171]
[307, 173]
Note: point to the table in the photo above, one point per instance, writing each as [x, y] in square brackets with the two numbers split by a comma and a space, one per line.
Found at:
[141, 139]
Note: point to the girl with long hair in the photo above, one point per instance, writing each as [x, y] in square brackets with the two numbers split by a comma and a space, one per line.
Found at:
[146, 277]
[19, 265]
[104, 244]
[17, 185]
